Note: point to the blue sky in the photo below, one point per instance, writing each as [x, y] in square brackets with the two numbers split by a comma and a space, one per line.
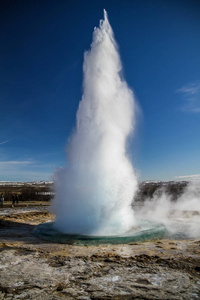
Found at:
[41, 56]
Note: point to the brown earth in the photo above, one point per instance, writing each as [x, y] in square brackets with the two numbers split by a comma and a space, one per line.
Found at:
[31, 268]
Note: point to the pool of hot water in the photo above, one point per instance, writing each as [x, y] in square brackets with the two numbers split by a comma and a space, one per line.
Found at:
[144, 231]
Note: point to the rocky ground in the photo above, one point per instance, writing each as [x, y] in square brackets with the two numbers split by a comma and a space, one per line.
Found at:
[31, 268]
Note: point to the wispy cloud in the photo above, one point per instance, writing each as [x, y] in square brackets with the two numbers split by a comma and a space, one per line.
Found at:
[189, 177]
[15, 162]
[4, 142]
[191, 97]
[24, 170]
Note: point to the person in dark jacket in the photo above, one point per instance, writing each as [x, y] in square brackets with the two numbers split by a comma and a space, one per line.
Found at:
[13, 199]
[1, 199]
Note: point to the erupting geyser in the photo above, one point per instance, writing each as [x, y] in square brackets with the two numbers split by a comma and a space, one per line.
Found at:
[94, 192]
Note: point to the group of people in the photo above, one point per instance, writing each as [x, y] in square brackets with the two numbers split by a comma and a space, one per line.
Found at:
[15, 199]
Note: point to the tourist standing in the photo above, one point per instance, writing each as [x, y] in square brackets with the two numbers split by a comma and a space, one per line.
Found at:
[1, 199]
[13, 199]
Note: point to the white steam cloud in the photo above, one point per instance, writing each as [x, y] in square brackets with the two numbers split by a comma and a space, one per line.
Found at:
[181, 217]
[95, 190]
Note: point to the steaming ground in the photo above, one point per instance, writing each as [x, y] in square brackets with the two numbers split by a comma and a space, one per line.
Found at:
[94, 192]
[180, 217]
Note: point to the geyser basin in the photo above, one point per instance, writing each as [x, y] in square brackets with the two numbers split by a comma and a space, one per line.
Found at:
[143, 232]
